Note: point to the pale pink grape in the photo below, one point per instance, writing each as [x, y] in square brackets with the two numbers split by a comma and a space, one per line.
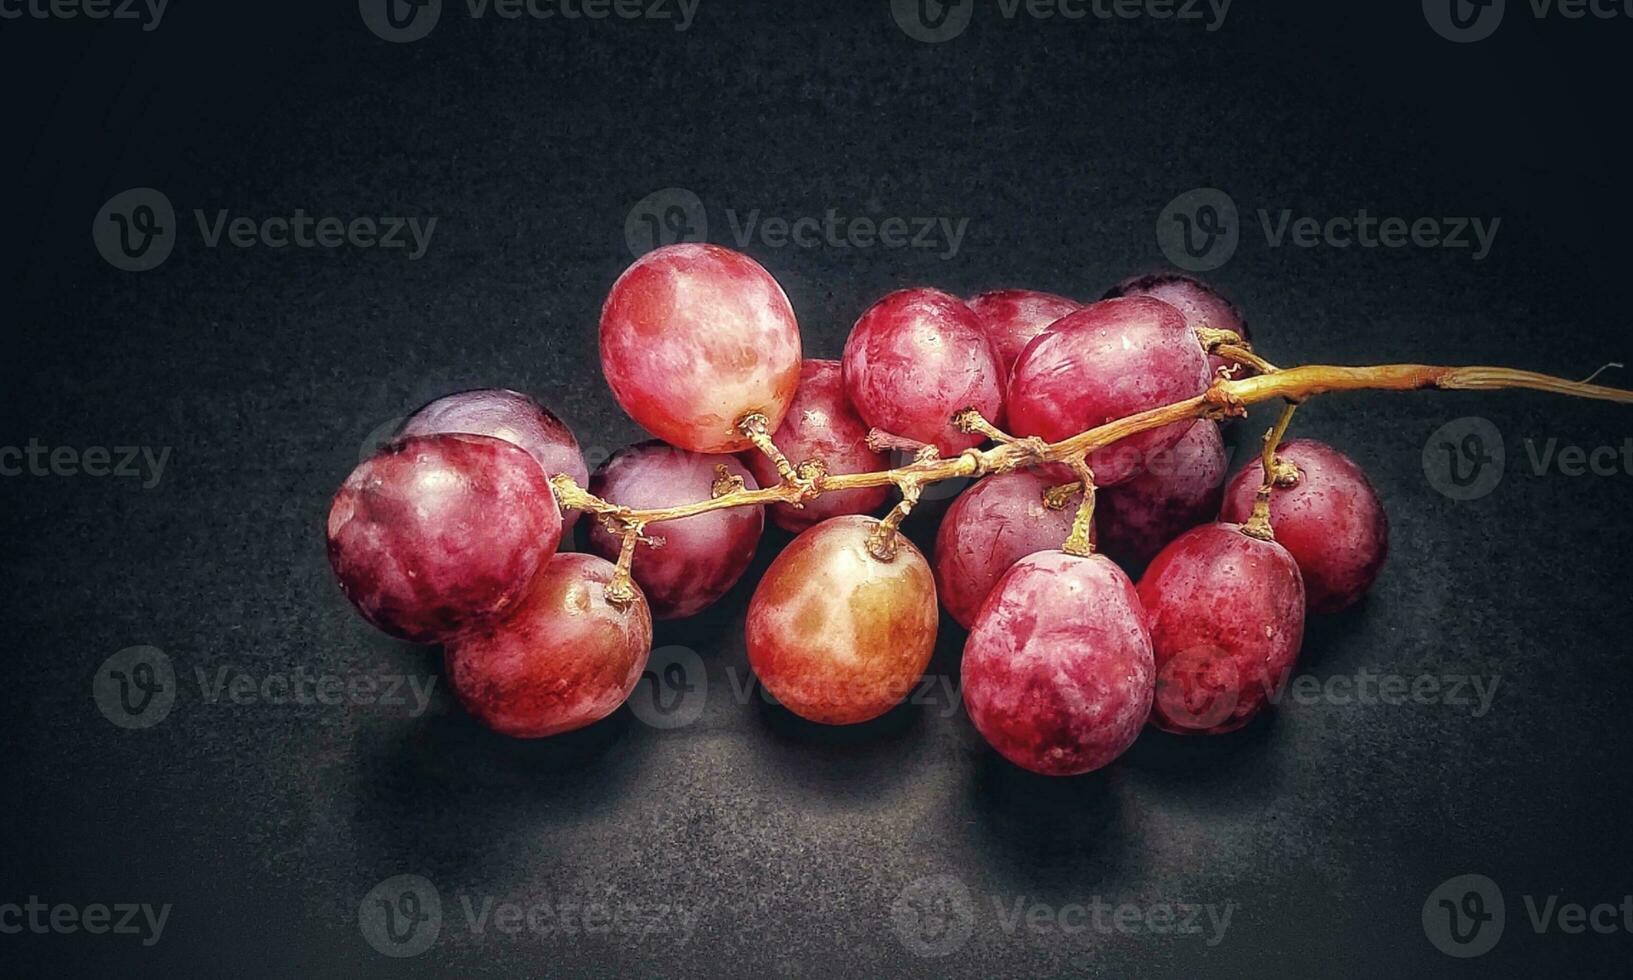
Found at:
[696, 337]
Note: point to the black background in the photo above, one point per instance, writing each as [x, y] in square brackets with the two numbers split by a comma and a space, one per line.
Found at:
[1327, 825]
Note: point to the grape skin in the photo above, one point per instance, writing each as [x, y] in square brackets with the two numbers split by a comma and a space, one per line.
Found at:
[1058, 669]
[837, 636]
[990, 527]
[1102, 363]
[1226, 614]
[1012, 317]
[1332, 521]
[821, 424]
[1201, 304]
[917, 357]
[696, 337]
[433, 534]
[702, 556]
[563, 658]
[1181, 488]
[513, 417]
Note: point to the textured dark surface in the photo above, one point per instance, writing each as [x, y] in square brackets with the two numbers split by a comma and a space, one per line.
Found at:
[1327, 825]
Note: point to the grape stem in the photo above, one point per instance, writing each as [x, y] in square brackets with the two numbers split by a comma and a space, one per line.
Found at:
[1081, 541]
[1225, 398]
[1277, 473]
[880, 441]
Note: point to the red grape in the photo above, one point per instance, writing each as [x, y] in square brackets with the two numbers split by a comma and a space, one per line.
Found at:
[1012, 317]
[562, 658]
[1332, 521]
[835, 634]
[1202, 305]
[513, 417]
[1226, 614]
[1180, 488]
[433, 534]
[822, 425]
[917, 357]
[702, 556]
[1058, 670]
[695, 337]
[990, 527]
[1112, 359]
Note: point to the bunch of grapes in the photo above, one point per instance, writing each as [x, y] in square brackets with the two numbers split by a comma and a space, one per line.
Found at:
[451, 534]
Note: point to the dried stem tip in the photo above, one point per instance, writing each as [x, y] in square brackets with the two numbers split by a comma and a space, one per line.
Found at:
[758, 430]
[1056, 498]
[1081, 541]
[1276, 473]
[882, 543]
